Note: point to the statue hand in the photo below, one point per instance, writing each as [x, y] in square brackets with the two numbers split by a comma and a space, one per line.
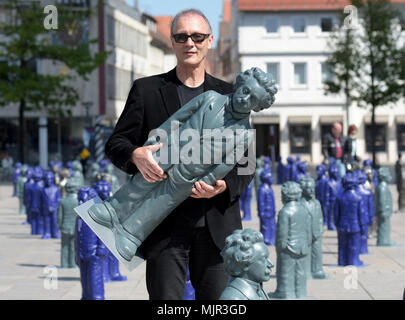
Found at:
[203, 190]
[146, 164]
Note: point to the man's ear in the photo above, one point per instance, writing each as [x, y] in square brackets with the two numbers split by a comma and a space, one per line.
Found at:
[210, 41]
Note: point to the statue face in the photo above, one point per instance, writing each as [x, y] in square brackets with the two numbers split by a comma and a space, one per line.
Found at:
[248, 93]
[308, 190]
[259, 271]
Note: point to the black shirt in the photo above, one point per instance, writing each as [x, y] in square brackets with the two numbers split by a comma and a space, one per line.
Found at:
[194, 209]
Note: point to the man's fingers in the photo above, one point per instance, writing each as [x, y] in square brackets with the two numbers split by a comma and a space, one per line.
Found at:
[206, 187]
[155, 147]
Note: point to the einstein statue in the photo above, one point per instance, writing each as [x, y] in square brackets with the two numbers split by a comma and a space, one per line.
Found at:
[247, 262]
[139, 206]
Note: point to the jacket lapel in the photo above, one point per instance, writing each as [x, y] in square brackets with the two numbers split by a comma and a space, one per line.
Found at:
[170, 97]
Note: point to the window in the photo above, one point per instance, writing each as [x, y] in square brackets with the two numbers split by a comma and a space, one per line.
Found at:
[380, 135]
[272, 25]
[274, 69]
[300, 138]
[299, 25]
[300, 73]
[401, 137]
[326, 24]
[326, 72]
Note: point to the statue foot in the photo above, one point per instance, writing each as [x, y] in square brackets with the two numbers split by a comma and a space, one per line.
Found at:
[126, 247]
[46, 236]
[119, 278]
[100, 214]
[319, 275]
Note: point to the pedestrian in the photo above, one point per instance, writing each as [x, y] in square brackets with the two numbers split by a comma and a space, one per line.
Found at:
[194, 233]
[332, 146]
[350, 146]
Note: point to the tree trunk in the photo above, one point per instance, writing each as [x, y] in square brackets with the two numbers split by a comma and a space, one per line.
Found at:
[21, 137]
[373, 134]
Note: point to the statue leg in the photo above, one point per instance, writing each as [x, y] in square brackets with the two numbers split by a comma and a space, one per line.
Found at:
[95, 278]
[307, 264]
[331, 220]
[72, 252]
[34, 222]
[383, 231]
[301, 267]
[363, 242]
[106, 268]
[353, 246]
[115, 274]
[342, 250]
[84, 266]
[54, 226]
[285, 273]
[316, 260]
[64, 257]
[47, 226]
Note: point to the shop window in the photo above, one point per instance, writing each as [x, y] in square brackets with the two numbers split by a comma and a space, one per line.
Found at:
[401, 137]
[380, 134]
[300, 138]
[272, 25]
[326, 24]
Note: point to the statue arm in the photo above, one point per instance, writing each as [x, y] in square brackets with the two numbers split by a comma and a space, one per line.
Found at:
[60, 216]
[371, 209]
[282, 230]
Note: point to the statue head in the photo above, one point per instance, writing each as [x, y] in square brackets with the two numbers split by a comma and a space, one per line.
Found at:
[69, 164]
[77, 166]
[109, 168]
[267, 161]
[320, 170]
[333, 172]
[290, 191]
[246, 256]
[73, 185]
[259, 163]
[38, 174]
[266, 177]
[384, 174]
[55, 168]
[103, 189]
[349, 181]
[302, 167]
[307, 185]
[65, 173]
[253, 90]
[18, 165]
[30, 173]
[361, 176]
[24, 170]
[367, 163]
[86, 194]
[49, 178]
[290, 160]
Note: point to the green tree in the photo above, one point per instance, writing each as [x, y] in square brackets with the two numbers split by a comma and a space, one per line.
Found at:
[26, 41]
[377, 59]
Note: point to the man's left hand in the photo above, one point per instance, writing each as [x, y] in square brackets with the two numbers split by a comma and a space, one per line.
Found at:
[203, 190]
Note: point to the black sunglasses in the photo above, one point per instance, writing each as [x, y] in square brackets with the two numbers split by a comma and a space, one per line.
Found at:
[196, 37]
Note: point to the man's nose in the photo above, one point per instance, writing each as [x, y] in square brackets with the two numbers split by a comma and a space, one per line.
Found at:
[190, 42]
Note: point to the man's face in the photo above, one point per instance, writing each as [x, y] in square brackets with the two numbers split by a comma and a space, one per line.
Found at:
[259, 271]
[336, 130]
[248, 93]
[191, 53]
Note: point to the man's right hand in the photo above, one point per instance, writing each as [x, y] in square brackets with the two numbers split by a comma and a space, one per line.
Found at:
[146, 164]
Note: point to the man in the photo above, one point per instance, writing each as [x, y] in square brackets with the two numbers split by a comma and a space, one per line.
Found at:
[332, 145]
[194, 233]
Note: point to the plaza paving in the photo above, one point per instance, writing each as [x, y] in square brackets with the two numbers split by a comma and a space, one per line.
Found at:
[27, 268]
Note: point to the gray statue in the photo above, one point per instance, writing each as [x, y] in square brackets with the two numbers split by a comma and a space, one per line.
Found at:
[94, 171]
[66, 222]
[293, 238]
[78, 171]
[139, 206]
[314, 260]
[383, 210]
[22, 178]
[65, 175]
[247, 262]
[114, 180]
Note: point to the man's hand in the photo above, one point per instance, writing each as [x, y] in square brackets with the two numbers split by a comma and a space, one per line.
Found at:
[146, 164]
[203, 190]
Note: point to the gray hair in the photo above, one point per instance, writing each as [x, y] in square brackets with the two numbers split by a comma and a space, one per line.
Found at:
[185, 12]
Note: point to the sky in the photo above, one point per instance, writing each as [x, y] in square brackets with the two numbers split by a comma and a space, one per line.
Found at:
[211, 8]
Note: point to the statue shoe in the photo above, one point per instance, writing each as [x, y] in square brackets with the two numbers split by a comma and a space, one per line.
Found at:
[100, 214]
[126, 245]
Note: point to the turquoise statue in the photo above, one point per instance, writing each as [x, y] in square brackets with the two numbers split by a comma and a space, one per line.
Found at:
[21, 180]
[109, 169]
[138, 207]
[313, 206]
[293, 238]
[383, 207]
[67, 221]
[247, 262]
[94, 171]
[78, 171]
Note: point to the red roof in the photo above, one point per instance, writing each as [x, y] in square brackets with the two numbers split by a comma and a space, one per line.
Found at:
[163, 25]
[226, 15]
[280, 5]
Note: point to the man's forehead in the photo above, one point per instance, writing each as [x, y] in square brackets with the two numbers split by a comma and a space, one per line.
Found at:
[191, 20]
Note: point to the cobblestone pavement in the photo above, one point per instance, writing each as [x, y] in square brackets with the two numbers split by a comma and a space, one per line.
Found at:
[27, 268]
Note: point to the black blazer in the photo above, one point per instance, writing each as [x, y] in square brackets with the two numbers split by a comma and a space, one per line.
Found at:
[329, 145]
[151, 101]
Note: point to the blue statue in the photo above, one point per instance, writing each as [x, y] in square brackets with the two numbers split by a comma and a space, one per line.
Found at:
[103, 163]
[189, 292]
[51, 196]
[27, 193]
[368, 201]
[135, 210]
[280, 171]
[332, 192]
[91, 254]
[266, 207]
[320, 187]
[383, 207]
[293, 239]
[290, 172]
[245, 202]
[247, 264]
[314, 260]
[69, 166]
[16, 174]
[301, 171]
[111, 265]
[35, 202]
[267, 163]
[67, 221]
[351, 222]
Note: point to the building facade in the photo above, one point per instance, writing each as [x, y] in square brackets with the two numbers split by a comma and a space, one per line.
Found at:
[289, 40]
